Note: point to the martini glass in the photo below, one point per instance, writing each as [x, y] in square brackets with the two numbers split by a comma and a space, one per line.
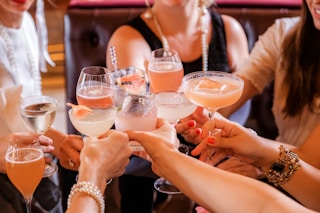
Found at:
[212, 90]
[38, 113]
[25, 165]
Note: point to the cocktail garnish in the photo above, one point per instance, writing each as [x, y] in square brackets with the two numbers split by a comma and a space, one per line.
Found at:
[79, 110]
[206, 83]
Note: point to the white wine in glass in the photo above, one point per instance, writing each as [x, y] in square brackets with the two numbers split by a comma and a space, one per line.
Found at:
[25, 165]
[38, 113]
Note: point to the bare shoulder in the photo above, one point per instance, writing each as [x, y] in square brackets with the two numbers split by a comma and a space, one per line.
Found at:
[231, 24]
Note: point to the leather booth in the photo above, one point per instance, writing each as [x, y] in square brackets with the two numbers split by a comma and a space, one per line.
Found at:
[88, 25]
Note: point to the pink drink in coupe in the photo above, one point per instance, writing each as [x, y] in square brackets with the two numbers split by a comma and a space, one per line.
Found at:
[213, 92]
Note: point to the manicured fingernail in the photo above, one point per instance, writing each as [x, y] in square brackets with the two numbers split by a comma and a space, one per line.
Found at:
[191, 123]
[198, 131]
[210, 140]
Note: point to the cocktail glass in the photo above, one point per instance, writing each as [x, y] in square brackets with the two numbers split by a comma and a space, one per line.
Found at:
[38, 113]
[212, 90]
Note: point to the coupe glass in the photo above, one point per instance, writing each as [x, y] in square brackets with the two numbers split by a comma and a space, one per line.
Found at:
[212, 90]
[165, 70]
[25, 165]
[38, 113]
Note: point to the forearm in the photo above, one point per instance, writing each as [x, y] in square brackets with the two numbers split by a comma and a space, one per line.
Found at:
[83, 202]
[214, 189]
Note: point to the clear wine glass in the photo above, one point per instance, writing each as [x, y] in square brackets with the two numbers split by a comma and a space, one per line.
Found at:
[96, 111]
[25, 166]
[38, 113]
[212, 90]
[138, 112]
[165, 70]
[132, 80]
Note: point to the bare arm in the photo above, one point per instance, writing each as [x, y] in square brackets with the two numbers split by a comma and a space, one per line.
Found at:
[212, 188]
[130, 46]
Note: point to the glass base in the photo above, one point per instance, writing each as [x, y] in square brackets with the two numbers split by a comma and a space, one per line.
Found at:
[50, 169]
[164, 186]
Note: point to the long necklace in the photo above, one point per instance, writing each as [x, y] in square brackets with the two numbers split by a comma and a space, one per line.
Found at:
[12, 60]
[204, 32]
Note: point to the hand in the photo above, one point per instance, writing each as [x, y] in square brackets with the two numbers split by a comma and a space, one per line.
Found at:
[69, 151]
[189, 131]
[163, 137]
[200, 209]
[106, 157]
[235, 139]
[27, 138]
[198, 116]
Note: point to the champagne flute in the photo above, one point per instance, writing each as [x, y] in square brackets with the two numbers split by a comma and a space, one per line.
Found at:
[25, 166]
[212, 90]
[38, 113]
[165, 70]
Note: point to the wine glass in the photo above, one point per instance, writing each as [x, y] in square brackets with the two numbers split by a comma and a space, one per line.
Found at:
[25, 166]
[38, 113]
[165, 70]
[96, 111]
[212, 90]
[138, 112]
[131, 79]
[172, 106]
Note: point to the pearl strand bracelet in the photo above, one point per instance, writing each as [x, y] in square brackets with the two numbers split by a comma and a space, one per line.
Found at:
[90, 189]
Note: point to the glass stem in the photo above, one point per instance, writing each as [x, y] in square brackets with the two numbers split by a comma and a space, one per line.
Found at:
[28, 204]
[210, 151]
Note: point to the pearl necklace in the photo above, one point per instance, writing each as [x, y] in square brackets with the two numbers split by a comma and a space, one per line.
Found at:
[12, 60]
[204, 32]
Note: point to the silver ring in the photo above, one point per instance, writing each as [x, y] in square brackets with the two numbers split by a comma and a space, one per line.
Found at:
[71, 163]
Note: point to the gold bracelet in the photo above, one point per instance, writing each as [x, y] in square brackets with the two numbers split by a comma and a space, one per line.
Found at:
[282, 170]
[90, 189]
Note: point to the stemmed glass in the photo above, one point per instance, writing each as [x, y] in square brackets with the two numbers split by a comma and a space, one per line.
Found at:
[38, 113]
[212, 90]
[25, 165]
[96, 111]
[165, 70]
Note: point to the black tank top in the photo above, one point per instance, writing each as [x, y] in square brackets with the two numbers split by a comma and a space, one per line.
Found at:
[217, 55]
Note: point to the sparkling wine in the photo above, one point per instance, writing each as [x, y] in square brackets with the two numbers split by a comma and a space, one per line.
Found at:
[25, 169]
[39, 117]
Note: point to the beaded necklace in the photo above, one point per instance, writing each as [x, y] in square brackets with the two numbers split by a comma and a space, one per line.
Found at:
[13, 62]
[204, 32]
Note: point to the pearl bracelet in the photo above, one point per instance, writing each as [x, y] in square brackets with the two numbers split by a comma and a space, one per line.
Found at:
[90, 189]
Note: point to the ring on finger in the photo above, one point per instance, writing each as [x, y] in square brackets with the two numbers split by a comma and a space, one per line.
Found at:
[71, 163]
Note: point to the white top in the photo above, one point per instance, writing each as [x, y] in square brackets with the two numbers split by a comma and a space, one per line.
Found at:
[24, 42]
[262, 67]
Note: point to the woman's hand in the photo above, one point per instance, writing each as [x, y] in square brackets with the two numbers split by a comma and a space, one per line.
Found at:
[163, 137]
[26, 138]
[105, 158]
[69, 151]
